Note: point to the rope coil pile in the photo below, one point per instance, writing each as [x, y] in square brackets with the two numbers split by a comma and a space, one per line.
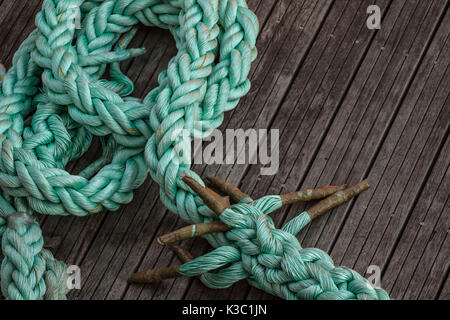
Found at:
[54, 100]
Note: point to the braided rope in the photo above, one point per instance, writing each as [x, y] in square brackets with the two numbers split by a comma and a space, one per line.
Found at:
[54, 101]
[29, 271]
[273, 260]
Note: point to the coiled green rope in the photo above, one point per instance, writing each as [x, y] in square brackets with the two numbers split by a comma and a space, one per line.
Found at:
[54, 100]
[58, 84]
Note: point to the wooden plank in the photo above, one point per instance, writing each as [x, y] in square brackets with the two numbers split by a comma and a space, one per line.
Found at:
[383, 67]
[318, 93]
[445, 293]
[428, 250]
[395, 188]
[5, 7]
[16, 26]
[268, 93]
[432, 268]
[329, 157]
[422, 223]
[349, 102]
[399, 170]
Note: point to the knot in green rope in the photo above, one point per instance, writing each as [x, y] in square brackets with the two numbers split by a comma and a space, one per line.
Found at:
[273, 260]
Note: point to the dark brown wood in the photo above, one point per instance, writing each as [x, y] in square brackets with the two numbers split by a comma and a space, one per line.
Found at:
[349, 103]
[52, 243]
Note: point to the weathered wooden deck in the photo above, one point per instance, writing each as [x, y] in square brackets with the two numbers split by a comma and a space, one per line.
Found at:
[349, 102]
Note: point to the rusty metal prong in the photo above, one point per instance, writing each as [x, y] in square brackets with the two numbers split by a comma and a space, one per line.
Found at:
[228, 188]
[310, 194]
[195, 230]
[337, 199]
[182, 253]
[155, 275]
[214, 201]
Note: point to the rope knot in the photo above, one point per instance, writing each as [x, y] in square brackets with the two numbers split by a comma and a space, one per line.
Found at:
[270, 258]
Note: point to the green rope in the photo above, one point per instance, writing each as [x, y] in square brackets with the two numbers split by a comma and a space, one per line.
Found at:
[273, 260]
[29, 271]
[55, 100]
